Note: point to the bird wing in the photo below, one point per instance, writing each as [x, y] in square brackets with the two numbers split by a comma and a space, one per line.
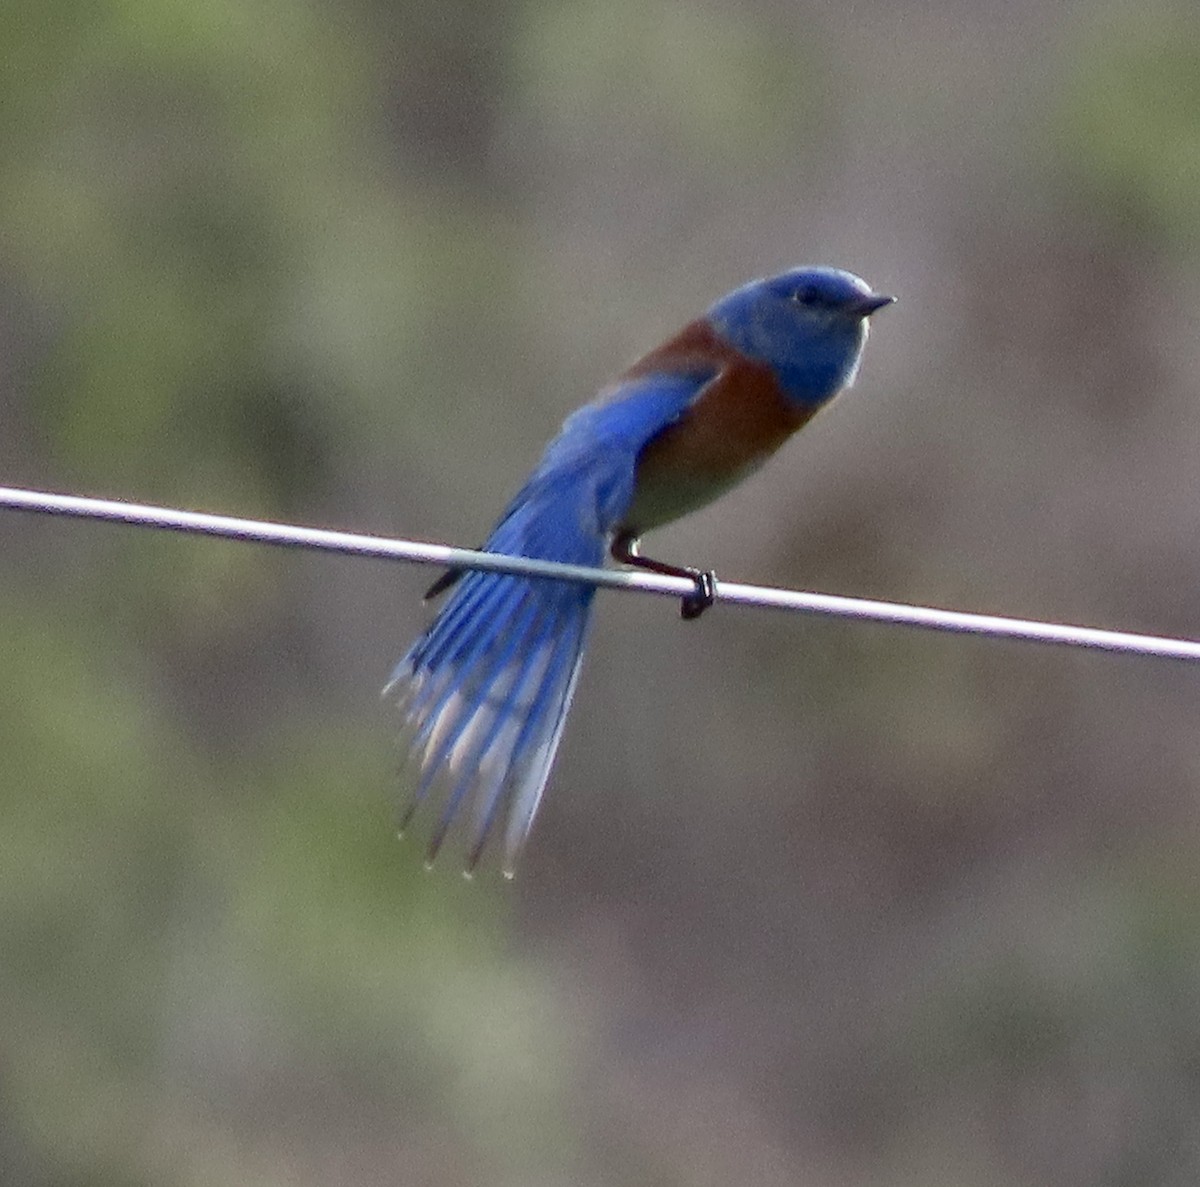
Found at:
[598, 446]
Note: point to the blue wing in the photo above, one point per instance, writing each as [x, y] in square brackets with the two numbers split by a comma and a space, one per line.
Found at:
[485, 690]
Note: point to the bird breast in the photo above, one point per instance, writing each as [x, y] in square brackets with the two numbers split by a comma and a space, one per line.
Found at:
[739, 419]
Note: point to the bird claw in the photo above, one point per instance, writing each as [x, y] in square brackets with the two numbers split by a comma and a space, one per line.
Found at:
[705, 594]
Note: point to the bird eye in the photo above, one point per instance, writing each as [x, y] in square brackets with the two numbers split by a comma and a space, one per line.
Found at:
[807, 295]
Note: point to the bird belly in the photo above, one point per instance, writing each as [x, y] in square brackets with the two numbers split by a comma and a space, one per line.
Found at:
[660, 498]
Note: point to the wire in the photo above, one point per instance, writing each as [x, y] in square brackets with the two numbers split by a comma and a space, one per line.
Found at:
[416, 552]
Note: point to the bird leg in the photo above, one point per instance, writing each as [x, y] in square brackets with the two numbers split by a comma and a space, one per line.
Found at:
[624, 550]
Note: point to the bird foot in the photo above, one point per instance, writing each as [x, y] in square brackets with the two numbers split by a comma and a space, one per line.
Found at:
[704, 595]
[624, 550]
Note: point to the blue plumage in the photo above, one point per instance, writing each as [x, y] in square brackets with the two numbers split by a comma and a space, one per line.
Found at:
[485, 690]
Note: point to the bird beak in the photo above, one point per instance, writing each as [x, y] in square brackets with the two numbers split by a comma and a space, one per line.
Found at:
[872, 304]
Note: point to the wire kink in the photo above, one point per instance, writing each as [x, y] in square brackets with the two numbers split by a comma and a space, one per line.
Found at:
[417, 552]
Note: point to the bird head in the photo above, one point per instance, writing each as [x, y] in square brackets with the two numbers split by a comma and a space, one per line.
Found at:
[808, 325]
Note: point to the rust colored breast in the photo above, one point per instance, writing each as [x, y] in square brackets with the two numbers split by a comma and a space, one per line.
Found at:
[739, 419]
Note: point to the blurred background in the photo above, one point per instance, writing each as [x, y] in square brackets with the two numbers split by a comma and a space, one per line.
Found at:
[808, 902]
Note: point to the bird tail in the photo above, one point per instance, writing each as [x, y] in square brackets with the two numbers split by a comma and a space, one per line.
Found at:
[485, 690]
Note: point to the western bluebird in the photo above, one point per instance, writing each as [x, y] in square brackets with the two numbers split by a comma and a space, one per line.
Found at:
[485, 690]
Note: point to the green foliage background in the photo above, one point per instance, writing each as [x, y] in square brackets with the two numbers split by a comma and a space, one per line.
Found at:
[808, 902]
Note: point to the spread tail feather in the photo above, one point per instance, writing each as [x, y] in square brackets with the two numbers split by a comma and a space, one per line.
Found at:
[485, 693]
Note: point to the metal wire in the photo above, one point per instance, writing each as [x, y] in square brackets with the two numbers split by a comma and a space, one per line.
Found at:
[290, 536]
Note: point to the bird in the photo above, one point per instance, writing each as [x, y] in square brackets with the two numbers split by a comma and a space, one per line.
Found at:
[483, 693]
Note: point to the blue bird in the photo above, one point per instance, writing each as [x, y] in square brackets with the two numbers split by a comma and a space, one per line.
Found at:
[484, 692]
